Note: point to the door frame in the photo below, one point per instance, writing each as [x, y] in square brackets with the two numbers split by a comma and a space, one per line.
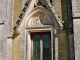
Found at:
[28, 38]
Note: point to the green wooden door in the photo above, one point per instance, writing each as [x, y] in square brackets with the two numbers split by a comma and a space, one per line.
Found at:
[41, 46]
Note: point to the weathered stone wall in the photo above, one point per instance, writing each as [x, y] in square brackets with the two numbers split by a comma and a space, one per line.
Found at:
[77, 38]
[19, 45]
[16, 51]
[76, 25]
[57, 6]
[1, 42]
[76, 8]
[5, 26]
[18, 6]
[19, 42]
[17, 10]
[9, 14]
[64, 50]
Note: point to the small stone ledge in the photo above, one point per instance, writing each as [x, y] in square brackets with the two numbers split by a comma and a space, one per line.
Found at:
[1, 22]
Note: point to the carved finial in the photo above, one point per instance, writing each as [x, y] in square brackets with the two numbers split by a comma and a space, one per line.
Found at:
[38, 2]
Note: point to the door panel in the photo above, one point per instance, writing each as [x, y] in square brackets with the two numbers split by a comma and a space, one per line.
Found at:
[36, 47]
[46, 46]
[41, 46]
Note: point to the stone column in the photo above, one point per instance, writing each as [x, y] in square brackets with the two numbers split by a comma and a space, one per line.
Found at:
[9, 49]
[56, 48]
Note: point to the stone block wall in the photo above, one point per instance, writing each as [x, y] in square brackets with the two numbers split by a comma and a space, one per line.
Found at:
[1, 42]
[10, 11]
[64, 50]
[17, 10]
[77, 38]
[6, 7]
[57, 6]
[76, 25]
[76, 8]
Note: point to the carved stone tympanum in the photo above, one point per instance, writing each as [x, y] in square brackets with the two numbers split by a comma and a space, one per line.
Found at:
[39, 19]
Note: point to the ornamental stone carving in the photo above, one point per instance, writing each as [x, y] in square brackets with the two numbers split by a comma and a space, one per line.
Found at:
[39, 19]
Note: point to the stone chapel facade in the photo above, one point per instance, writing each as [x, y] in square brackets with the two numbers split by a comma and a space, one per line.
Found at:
[39, 30]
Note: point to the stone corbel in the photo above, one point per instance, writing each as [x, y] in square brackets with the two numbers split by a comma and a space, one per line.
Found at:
[15, 34]
[62, 24]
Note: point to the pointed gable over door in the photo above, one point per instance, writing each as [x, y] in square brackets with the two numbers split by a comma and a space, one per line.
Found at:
[33, 10]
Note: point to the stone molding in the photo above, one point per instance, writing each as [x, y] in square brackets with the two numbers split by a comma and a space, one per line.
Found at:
[22, 15]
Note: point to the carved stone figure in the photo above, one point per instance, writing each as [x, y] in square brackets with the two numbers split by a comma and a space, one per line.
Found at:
[39, 20]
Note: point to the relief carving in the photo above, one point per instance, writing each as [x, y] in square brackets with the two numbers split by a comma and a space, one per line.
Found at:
[40, 20]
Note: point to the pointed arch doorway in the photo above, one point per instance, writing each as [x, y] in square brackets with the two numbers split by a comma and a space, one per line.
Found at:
[38, 22]
[41, 28]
